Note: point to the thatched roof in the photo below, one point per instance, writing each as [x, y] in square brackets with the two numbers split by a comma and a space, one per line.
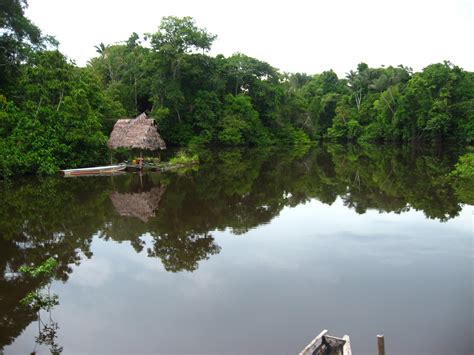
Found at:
[142, 205]
[140, 133]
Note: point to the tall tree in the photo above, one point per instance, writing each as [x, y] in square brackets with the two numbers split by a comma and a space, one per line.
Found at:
[17, 35]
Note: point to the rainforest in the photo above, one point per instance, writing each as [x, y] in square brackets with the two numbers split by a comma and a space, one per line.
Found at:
[54, 114]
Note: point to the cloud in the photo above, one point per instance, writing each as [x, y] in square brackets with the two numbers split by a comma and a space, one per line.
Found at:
[92, 272]
[301, 35]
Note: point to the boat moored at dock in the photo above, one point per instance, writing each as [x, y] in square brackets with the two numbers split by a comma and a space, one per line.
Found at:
[98, 170]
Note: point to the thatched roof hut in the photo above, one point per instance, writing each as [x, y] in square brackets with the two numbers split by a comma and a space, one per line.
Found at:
[139, 133]
[142, 205]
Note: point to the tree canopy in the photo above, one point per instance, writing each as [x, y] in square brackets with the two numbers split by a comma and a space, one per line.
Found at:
[54, 114]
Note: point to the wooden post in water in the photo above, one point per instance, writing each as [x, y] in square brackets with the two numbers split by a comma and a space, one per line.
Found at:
[381, 344]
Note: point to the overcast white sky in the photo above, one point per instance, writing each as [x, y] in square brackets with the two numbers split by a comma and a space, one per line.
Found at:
[294, 35]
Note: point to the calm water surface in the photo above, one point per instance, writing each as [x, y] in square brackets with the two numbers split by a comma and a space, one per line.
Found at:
[253, 252]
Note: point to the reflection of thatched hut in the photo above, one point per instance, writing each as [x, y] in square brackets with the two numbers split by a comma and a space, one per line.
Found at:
[138, 133]
[142, 205]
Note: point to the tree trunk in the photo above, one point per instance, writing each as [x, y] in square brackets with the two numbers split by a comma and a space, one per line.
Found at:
[135, 92]
[39, 105]
[179, 116]
[387, 103]
[60, 100]
[358, 99]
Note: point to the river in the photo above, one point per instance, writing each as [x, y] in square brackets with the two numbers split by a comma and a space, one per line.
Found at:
[254, 251]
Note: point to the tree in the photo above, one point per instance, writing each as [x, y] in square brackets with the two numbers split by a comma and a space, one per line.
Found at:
[181, 35]
[430, 107]
[172, 44]
[58, 121]
[240, 124]
[18, 35]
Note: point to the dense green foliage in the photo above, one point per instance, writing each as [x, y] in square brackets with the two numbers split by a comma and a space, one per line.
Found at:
[54, 114]
[56, 120]
[463, 176]
[19, 36]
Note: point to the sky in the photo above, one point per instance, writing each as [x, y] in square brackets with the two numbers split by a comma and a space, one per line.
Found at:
[293, 35]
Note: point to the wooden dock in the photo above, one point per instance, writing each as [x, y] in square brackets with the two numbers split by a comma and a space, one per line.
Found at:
[162, 167]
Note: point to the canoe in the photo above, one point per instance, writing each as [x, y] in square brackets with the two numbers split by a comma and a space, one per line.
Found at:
[325, 344]
[98, 170]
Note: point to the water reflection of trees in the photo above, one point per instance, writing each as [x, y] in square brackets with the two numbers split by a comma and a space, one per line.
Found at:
[236, 190]
[40, 219]
[397, 180]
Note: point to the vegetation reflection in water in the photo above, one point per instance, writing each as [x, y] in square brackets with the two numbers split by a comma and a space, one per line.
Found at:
[232, 189]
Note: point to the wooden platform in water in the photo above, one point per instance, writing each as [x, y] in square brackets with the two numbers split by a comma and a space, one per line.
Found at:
[160, 168]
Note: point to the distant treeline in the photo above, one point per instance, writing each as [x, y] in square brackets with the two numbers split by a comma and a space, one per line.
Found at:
[54, 114]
